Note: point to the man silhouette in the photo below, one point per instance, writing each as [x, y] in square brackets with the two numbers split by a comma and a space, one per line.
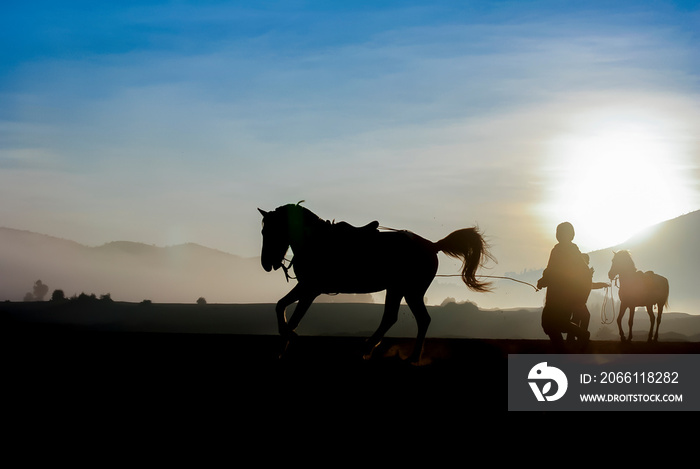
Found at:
[581, 316]
[568, 282]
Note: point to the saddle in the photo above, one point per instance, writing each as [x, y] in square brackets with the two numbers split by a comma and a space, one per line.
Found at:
[649, 277]
[343, 228]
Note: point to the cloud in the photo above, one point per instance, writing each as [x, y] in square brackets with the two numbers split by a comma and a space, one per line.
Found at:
[423, 121]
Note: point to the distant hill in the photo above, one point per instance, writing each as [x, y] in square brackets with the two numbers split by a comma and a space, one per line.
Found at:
[133, 272]
[130, 271]
[669, 248]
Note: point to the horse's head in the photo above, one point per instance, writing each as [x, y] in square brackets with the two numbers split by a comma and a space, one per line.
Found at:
[622, 262]
[275, 233]
[284, 227]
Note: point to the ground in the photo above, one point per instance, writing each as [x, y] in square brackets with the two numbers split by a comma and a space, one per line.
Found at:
[241, 376]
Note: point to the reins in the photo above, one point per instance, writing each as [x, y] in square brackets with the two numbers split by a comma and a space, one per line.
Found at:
[286, 268]
[492, 276]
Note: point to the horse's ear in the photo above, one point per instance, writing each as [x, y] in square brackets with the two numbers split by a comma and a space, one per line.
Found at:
[262, 212]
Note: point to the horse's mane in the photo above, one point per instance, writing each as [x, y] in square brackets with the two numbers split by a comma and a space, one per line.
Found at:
[297, 210]
[625, 257]
[297, 215]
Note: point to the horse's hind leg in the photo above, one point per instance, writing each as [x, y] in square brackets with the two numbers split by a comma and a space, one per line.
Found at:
[650, 311]
[391, 315]
[420, 312]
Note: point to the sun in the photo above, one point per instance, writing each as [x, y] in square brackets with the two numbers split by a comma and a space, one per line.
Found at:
[614, 173]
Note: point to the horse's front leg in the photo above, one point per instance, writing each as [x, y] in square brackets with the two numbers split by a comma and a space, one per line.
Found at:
[631, 320]
[280, 309]
[303, 305]
[650, 311]
[623, 308]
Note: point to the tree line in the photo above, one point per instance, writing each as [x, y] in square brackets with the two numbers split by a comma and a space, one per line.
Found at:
[40, 290]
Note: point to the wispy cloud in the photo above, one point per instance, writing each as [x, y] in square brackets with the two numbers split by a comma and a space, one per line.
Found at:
[183, 116]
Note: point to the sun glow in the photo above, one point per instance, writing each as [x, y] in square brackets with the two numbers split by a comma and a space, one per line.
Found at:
[616, 173]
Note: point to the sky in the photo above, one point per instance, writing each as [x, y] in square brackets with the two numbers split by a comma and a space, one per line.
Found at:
[172, 122]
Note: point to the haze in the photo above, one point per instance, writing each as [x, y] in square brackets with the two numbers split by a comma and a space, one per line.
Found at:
[134, 272]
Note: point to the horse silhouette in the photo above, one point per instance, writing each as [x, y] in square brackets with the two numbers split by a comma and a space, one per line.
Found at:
[334, 258]
[638, 288]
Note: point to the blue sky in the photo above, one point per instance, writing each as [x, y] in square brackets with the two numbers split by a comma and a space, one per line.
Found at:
[171, 122]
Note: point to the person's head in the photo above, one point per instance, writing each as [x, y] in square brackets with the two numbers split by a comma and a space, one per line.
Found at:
[565, 232]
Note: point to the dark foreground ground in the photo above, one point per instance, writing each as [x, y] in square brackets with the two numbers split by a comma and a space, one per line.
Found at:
[238, 379]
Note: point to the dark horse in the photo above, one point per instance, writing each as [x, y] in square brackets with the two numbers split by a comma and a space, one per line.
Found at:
[638, 288]
[334, 258]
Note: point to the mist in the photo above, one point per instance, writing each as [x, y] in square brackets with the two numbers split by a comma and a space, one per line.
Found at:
[183, 273]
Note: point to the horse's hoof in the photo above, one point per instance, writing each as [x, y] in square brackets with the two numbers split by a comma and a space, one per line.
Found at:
[369, 349]
[415, 358]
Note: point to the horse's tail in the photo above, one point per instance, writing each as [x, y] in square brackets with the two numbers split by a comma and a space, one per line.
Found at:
[468, 245]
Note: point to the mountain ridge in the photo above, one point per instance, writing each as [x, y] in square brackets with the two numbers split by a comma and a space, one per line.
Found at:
[134, 271]
[182, 273]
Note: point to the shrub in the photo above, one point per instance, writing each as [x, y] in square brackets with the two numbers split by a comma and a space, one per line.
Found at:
[58, 295]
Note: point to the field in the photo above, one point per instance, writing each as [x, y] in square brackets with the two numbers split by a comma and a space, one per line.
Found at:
[55, 367]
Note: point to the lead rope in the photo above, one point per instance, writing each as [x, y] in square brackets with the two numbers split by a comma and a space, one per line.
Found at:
[286, 268]
[492, 276]
[603, 314]
[459, 275]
